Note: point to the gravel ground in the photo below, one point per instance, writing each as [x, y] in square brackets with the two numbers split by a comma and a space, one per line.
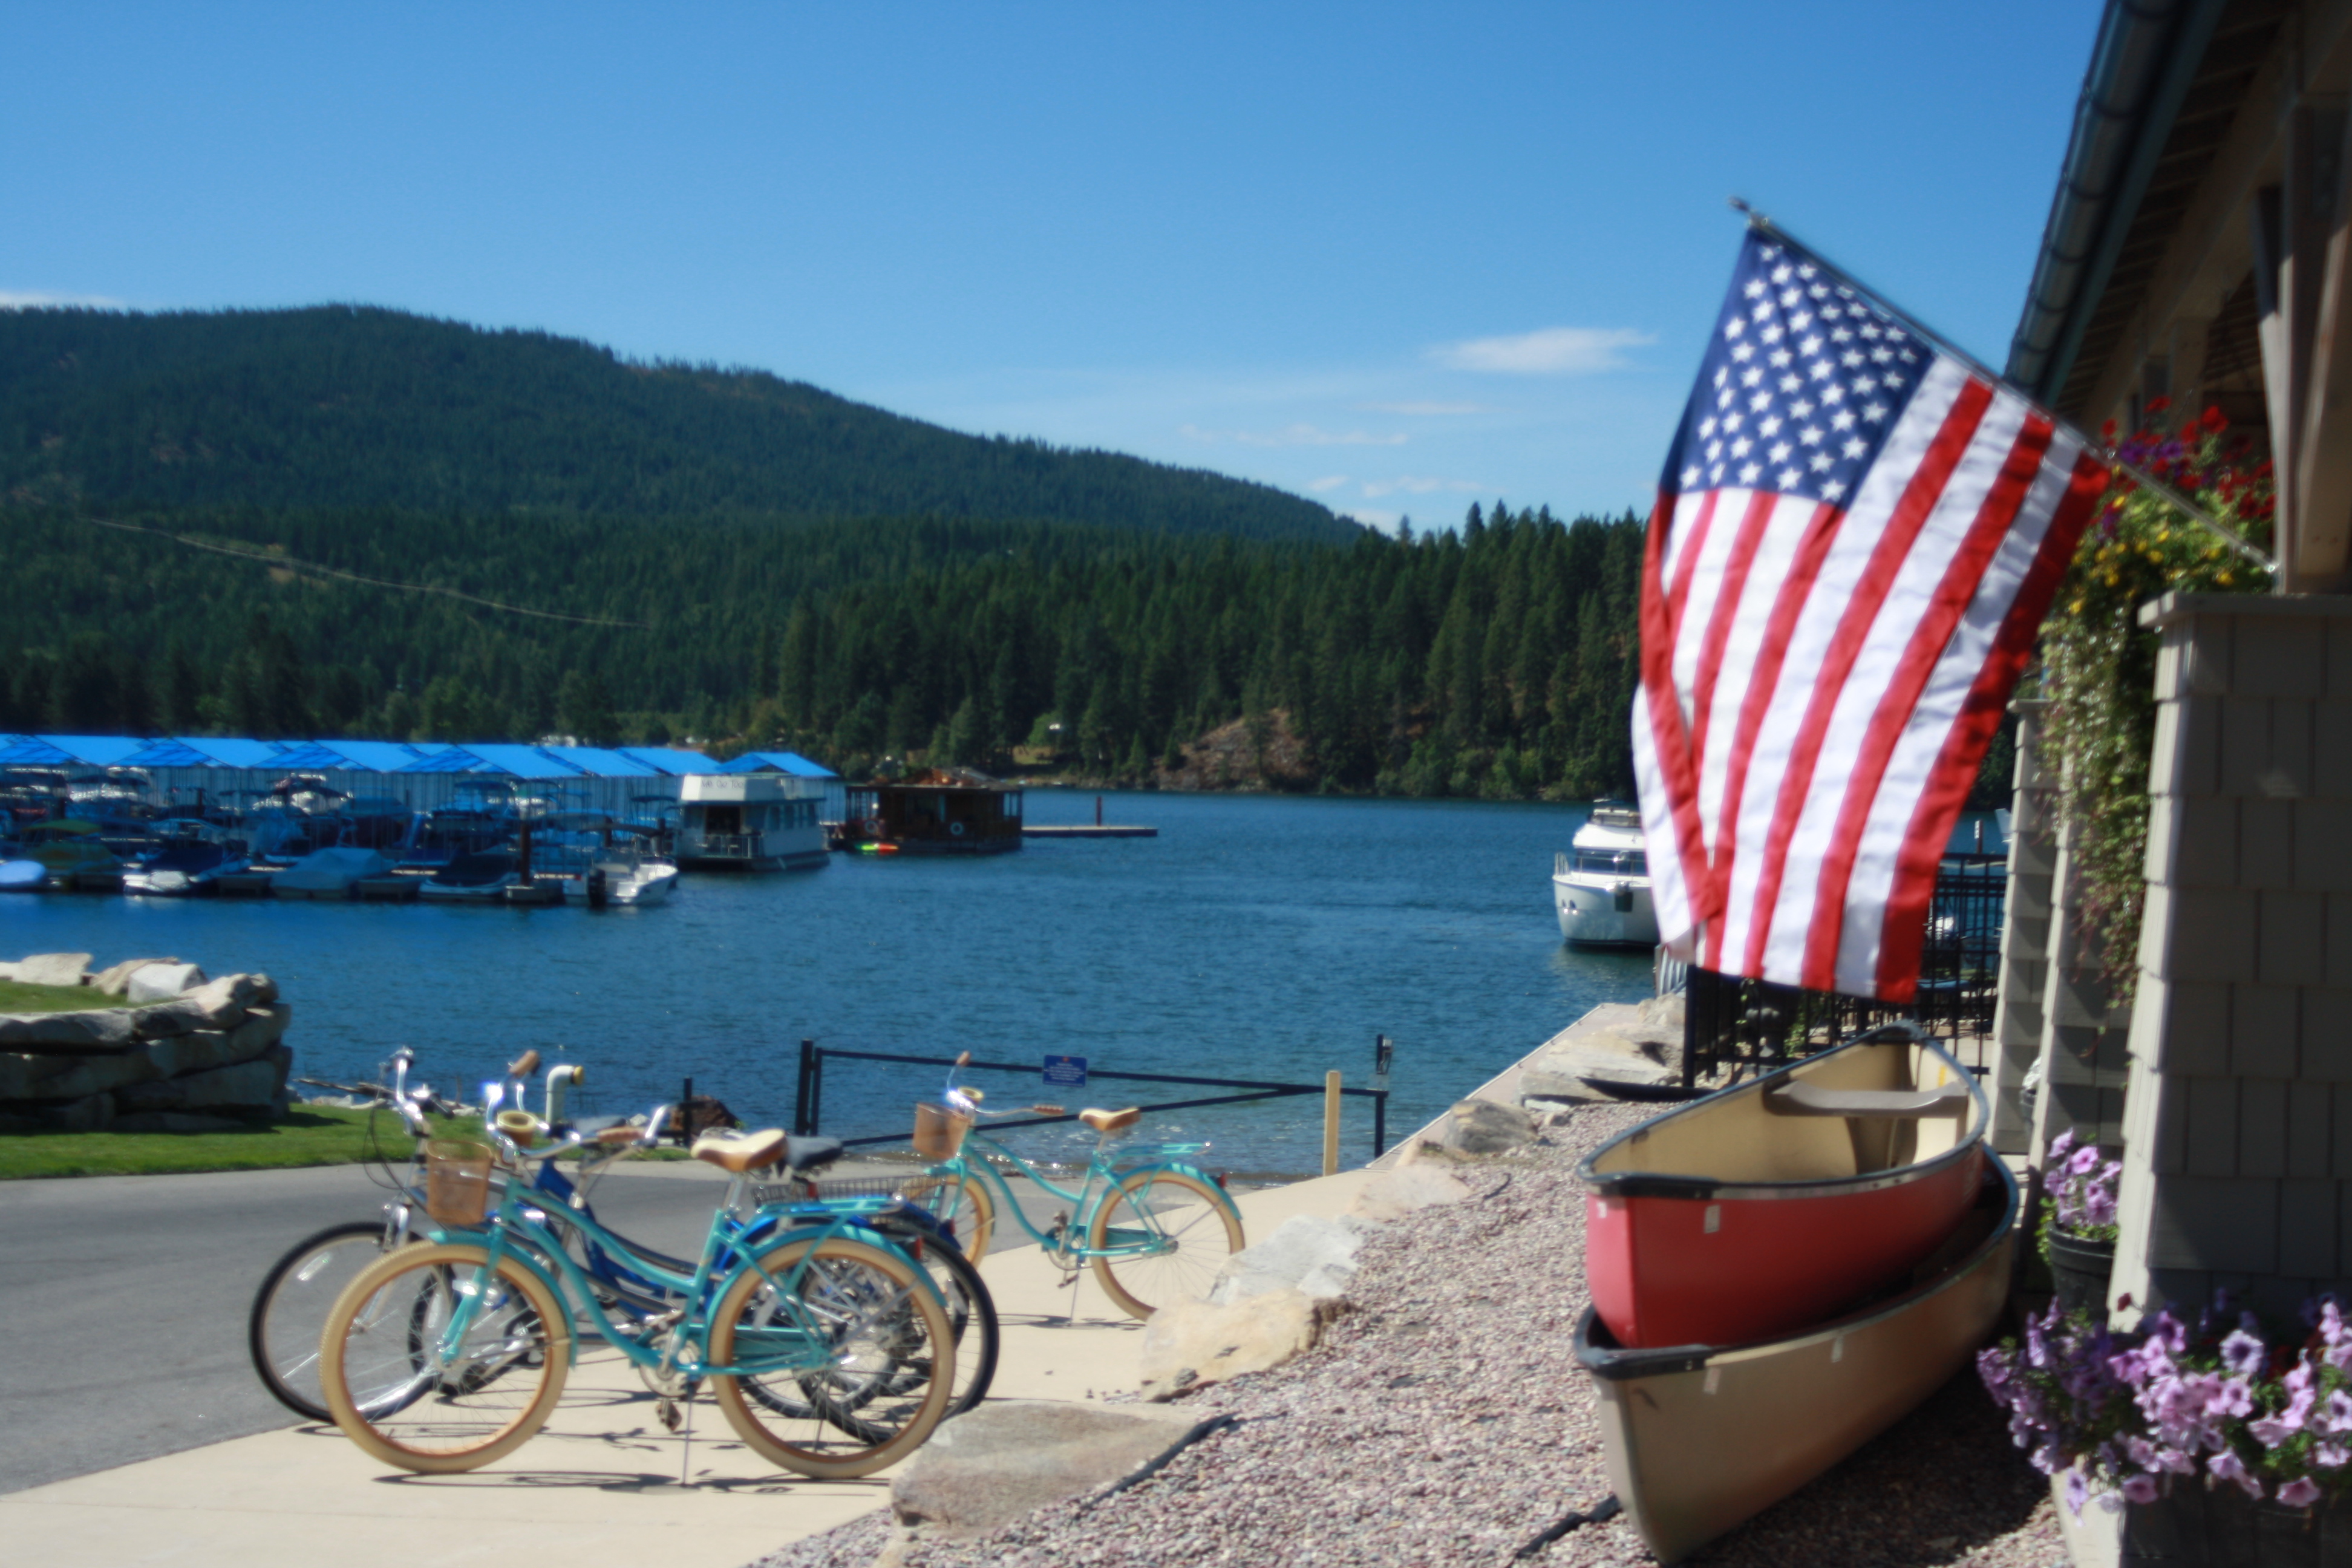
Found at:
[1444, 1421]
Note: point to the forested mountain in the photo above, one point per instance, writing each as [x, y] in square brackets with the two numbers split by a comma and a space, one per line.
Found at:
[342, 407]
[1498, 660]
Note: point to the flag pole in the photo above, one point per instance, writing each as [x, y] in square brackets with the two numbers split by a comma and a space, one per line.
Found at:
[2107, 450]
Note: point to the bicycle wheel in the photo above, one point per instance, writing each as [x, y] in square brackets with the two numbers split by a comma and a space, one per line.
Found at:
[963, 1205]
[1158, 1235]
[971, 1316]
[291, 1307]
[852, 1361]
[401, 1390]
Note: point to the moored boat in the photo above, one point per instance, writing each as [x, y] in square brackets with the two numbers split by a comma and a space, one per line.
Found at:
[183, 866]
[480, 878]
[328, 873]
[1775, 1203]
[1601, 886]
[65, 850]
[1699, 1438]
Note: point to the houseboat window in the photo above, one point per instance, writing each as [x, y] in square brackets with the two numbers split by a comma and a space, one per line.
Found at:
[722, 819]
[1011, 806]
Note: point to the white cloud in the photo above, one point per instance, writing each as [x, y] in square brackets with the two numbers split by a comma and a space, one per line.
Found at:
[1419, 485]
[34, 300]
[1294, 436]
[1552, 351]
[1328, 482]
[1425, 408]
[1385, 521]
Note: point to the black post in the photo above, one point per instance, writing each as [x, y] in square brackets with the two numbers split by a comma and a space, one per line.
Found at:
[816, 1091]
[684, 1116]
[800, 1127]
[1379, 1122]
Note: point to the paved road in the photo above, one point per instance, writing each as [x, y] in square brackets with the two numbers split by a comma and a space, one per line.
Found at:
[125, 1299]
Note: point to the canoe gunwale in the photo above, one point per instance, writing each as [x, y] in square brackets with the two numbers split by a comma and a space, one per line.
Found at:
[1617, 1363]
[1667, 1184]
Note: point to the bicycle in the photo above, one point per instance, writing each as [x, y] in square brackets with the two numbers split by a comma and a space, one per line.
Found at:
[1157, 1227]
[827, 1348]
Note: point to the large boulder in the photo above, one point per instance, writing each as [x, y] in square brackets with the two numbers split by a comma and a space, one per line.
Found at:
[255, 1083]
[53, 969]
[1010, 1457]
[51, 1074]
[115, 979]
[92, 1114]
[1187, 1343]
[66, 1034]
[160, 980]
[1412, 1185]
[1314, 1256]
[25, 1075]
[216, 1005]
[1482, 1127]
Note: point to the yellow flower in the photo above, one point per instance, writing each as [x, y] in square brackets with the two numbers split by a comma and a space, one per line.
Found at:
[2224, 579]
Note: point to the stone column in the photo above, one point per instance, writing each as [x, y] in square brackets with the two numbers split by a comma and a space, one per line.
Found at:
[2025, 936]
[2084, 1036]
[2237, 1141]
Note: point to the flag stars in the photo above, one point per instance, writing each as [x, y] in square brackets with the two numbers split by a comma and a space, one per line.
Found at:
[1750, 472]
[1832, 490]
[1734, 420]
[1751, 376]
[1691, 476]
[1757, 289]
[1781, 359]
[1744, 352]
[1760, 401]
[1788, 477]
[1767, 427]
[1811, 435]
[1801, 409]
[1841, 420]
[1822, 462]
[1742, 446]
[1778, 451]
[1874, 412]
[1855, 446]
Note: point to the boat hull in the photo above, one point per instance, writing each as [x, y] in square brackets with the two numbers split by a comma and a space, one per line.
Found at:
[1593, 914]
[1699, 1438]
[1727, 1221]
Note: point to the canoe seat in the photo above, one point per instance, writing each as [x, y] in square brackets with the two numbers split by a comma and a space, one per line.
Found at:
[1889, 1104]
[1111, 1121]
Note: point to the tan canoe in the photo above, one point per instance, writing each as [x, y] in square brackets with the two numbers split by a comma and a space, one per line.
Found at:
[1700, 1438]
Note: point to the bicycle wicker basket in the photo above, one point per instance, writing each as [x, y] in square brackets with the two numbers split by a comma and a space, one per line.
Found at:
[457, 1181]
[940, 1129]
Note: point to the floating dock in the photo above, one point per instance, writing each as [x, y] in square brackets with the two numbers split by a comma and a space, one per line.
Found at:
[1087, 830]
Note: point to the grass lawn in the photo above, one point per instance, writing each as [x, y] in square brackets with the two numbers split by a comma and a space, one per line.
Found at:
[15, 998]
[312, 1135]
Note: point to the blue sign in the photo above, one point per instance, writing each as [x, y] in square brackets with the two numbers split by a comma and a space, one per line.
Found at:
[1066, 1073]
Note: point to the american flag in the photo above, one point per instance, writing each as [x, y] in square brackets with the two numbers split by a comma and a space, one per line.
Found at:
[1857, 537]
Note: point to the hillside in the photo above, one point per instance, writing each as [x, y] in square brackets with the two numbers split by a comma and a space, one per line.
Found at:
[340, 407]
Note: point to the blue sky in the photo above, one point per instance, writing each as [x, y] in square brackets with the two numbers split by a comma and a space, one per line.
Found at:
[1394, 257]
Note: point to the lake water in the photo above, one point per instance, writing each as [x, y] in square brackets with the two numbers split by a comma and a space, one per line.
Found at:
[1256, 937]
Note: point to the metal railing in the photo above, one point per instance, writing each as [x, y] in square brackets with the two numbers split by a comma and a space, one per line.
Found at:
[808, 1096]
[1730, 1023]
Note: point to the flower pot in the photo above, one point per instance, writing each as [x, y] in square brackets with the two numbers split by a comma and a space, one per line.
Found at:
[2223, 1528]
[2079, 1271]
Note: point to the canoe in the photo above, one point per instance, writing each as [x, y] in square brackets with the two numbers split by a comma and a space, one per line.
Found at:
[1699, 1438]
[1776, 1203]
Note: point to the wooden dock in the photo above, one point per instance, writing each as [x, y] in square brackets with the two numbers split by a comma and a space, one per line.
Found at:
[1087, 830]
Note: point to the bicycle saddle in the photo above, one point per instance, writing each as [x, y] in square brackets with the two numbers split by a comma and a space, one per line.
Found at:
[1111, 1121]
[741, 1152]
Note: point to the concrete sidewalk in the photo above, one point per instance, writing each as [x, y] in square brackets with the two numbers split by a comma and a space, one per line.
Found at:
[602, 1475]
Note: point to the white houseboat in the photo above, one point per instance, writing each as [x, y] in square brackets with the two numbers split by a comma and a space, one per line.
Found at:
[1602, 885]
[750, 822]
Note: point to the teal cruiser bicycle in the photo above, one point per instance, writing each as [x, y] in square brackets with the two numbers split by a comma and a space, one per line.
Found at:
[829, 1349]
[1155, 1226]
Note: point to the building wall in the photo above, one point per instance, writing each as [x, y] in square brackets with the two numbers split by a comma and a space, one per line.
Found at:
[2024, 940]
[2238, 1135]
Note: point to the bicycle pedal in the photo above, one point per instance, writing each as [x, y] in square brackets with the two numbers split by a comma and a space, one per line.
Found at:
[667, 1410]
[1070, 1281]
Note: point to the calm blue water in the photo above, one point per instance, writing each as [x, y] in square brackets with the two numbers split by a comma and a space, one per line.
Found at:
[1263, 938]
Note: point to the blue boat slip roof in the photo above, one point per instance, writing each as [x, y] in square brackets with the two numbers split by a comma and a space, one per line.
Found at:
[207, 752]
[791, 763]
[668, 760]
[599, 761]
[91, 751]
[346, 756]
[526, 762]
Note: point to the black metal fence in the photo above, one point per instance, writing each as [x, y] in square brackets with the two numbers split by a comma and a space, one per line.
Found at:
[1748, 1025]
[808, 1100]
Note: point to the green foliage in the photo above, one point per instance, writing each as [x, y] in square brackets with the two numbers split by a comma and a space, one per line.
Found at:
[2098, 667]
[18, 997]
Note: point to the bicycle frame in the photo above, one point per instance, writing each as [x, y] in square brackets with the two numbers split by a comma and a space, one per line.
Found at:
[1068, 1240]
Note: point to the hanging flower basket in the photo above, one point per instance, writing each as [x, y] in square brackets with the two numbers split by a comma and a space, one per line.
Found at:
[2080, 1268]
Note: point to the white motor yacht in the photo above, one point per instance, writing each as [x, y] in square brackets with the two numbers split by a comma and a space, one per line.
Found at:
[1602, 885]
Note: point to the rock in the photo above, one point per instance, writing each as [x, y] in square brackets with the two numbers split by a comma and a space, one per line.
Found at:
[161, 980]
[1187, 1343]
[177, 1122]
[1317, 1257]
[1482, 1127]
[1010, 1457]
[7, 972]
[29, 1076]
[216, 1005]
[116, 981]
[107, 1029]
[90, 1115]
[253, 1083]
[1663, 1014]
[53, 969]
[1394, 1193]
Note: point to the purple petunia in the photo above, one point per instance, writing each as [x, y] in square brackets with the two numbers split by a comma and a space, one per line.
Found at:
[2300, 1492]
[2226, 1466]
[2244, 1354]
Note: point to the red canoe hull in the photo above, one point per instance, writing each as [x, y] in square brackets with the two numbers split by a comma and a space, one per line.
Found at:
[1726, 1270]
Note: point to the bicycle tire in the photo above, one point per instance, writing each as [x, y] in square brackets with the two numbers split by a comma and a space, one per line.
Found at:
[516, 1357]
[1199, 1242]
[290, 1307]
[962, 1204]
[837, 1408]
